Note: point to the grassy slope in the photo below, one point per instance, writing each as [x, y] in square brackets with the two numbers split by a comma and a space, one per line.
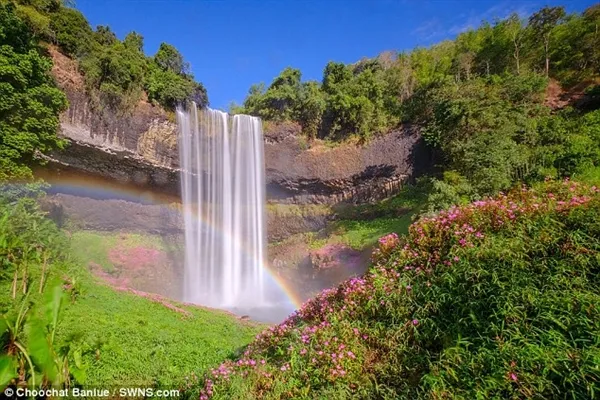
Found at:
[130, 340]
[126, 339]
[361, 226]
[511, 312]
[94, 246]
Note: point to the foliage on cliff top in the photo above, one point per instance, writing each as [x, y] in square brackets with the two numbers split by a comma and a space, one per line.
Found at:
[29, 101]
[482, 102]
[495, 299]
[372, 95]
[59, 327]
[116, 72]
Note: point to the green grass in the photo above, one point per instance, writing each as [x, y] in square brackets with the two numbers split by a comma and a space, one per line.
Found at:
[295, 210]
[361, 226]
[130, 340]
[94, 246]
[110, 337]
[362, 234]
[590, 176]
[89, 247]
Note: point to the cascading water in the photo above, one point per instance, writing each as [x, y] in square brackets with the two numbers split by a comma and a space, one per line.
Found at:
[223, 191]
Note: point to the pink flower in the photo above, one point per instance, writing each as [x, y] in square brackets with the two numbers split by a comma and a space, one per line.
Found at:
[415, 322]
[513, 376]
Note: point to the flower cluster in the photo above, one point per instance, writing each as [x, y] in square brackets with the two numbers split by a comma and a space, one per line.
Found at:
[327, 336]
[386, 245]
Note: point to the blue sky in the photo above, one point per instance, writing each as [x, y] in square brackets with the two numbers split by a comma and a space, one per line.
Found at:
[232, 44]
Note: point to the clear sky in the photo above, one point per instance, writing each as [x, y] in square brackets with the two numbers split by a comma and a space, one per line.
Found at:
[232, 44]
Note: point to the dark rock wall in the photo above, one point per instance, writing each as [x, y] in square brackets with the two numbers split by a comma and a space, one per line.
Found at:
[80, 212]
[140, 147]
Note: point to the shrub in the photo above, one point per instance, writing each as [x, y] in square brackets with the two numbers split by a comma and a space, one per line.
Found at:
[495, 299]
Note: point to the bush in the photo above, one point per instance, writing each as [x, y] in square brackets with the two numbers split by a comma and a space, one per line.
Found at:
[496, 299]
[114, 75]
[453, 189]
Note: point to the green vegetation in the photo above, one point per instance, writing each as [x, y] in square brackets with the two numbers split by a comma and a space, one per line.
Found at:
[496, 299]
[375, 95]
[131, 340]
[480, 101]
[61, 328]
[91, 246]
[361, 226]
[29, 101]
[116, 72]
[364, 234]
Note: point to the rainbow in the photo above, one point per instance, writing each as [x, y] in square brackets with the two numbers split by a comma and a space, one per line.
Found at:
[86, 185]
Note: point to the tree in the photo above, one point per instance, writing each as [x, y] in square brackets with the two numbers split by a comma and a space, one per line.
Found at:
[72, 32]
[253, 102]
[311, 106]
[29, 102]
[46, 6]
[590, 42]
[114, 76]
[400, 78]
[514, 29]
[134, 41]
[335, 74]
[170, 59]
[169, 89]
[280, 101]
[105, 36]
[542, 23]
[468, 44]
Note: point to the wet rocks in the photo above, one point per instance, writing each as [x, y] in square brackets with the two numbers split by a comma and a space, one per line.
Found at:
[335, 256]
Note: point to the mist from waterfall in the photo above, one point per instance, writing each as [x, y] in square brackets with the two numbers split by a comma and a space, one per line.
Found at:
[223, 193]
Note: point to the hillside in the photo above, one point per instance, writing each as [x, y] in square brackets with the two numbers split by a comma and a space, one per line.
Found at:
[496, 299]
[489, 103]
[64, 326]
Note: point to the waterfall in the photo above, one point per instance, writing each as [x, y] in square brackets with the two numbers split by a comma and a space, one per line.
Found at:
[223, 193]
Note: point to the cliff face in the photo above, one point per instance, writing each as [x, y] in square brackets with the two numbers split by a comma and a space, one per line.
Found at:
[140, 147]
[147, 132]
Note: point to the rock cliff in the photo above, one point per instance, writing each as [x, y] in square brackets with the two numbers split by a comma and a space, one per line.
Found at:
[140, 147]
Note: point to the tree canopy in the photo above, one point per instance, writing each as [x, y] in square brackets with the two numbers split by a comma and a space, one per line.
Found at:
[374, 96]
[29, 101]
[478, 99]
[116, 72]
